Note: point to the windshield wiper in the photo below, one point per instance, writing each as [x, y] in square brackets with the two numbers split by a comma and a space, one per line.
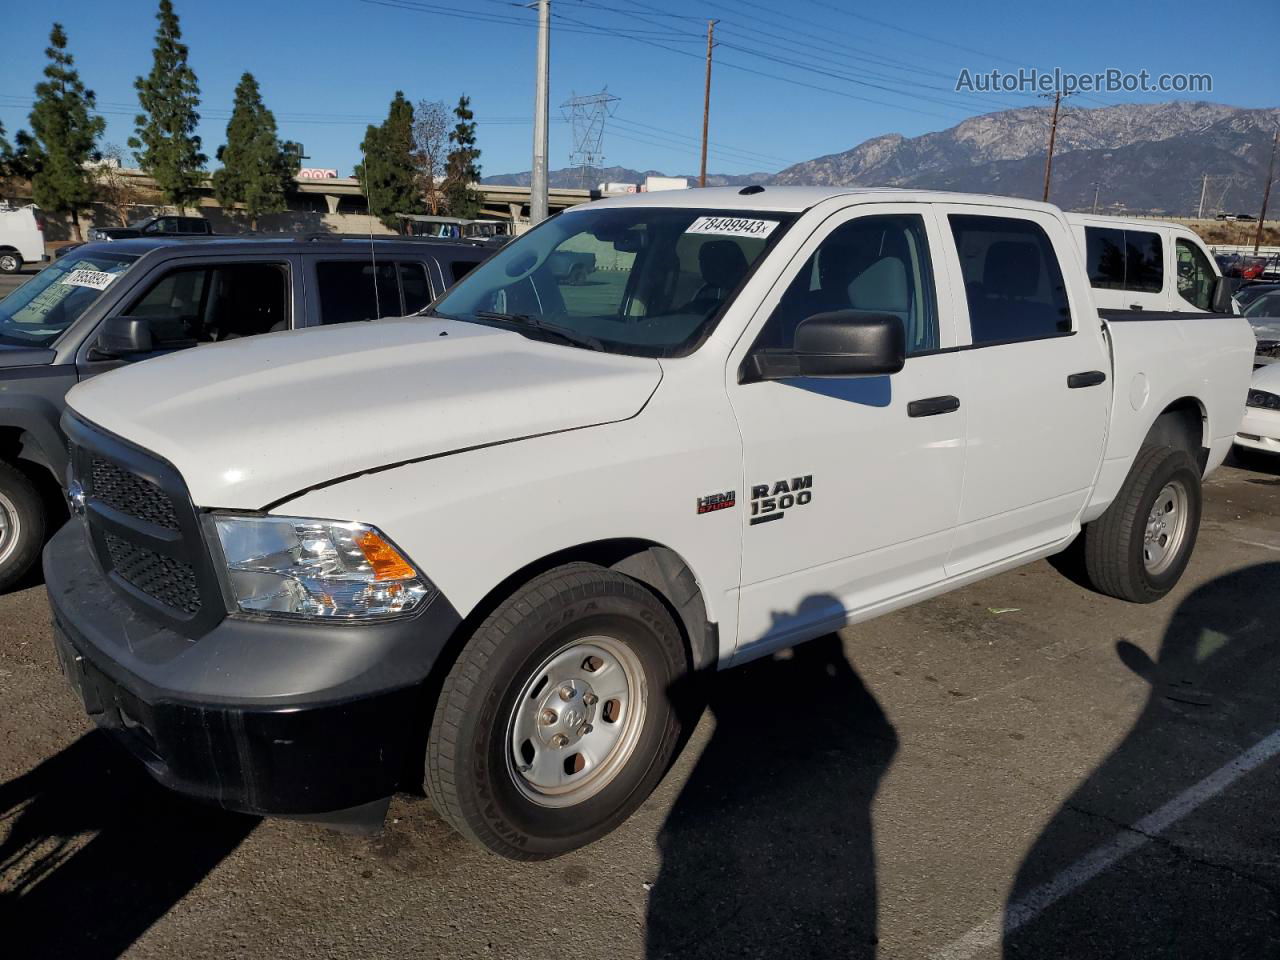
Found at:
[564, 334]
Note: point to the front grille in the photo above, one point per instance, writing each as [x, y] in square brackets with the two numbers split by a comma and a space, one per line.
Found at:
[132, 495]
[165, 579]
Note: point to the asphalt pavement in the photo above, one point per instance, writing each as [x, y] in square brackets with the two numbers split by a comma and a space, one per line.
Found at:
[1019, 769]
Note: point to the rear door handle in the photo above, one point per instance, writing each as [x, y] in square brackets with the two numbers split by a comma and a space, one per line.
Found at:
[1090, 378]
[932, 406]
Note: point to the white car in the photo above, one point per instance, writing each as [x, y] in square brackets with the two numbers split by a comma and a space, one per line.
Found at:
[1260, 429]
[503, 538]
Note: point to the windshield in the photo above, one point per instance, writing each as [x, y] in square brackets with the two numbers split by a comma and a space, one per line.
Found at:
[646, 281]
[39, 310]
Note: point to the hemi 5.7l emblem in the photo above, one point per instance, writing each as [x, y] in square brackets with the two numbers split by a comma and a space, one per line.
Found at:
[717, 501]
[771, 501]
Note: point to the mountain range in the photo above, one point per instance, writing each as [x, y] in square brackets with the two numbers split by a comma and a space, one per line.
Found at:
[1140, 157]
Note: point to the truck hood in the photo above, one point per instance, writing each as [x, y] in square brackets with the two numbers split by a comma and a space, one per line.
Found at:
[251, 422]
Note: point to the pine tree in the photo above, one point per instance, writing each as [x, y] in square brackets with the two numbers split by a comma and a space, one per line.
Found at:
[64, 130]
[462, 169]
[165, 142]
[387, 174]
[257, 169]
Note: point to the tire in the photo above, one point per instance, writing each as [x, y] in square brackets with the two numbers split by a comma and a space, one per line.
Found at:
[10, 261]
[22, 525]
[493, 770]
[1119, 558]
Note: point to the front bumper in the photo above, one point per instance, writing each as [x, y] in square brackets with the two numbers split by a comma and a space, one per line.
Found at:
[261, 716]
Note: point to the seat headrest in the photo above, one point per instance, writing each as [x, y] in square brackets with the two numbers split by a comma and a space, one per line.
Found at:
[882, 286]
[1011, 269]
[722, 264]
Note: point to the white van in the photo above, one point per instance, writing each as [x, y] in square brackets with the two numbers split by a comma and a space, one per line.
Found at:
[21, 236]
[1148, 265]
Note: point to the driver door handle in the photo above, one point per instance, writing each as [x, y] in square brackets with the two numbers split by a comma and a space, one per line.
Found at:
[932, 406]
[1090, 378]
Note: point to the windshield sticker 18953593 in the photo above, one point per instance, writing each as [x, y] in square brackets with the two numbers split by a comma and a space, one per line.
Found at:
[94, 279]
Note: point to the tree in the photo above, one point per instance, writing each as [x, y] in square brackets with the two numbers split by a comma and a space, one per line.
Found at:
[64, 131]
[257, 169]
[118, 193]
[430, 136]
[387, 173]
[165, 142]
[461, 169]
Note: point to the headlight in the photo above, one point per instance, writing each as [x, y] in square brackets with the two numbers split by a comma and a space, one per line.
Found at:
[1260, 398]
[294, 566]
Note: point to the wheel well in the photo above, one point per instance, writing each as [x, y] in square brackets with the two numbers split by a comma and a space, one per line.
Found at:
[659, 568]
[1181, 425]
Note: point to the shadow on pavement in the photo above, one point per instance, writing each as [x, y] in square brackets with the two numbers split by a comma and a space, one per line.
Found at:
[769, 849]
[1207, 886]
[94, 852]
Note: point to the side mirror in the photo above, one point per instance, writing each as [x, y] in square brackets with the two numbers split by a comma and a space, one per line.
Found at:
[122, 336]
[843, 343]
[1224, 288]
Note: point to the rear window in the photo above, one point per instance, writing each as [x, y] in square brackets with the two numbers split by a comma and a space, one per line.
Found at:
[1130, 260]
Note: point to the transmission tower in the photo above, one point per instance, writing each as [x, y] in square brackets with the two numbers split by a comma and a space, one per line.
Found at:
[587, 115]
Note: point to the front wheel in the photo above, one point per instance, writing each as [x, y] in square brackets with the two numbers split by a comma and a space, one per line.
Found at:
[10, 262]
[1138, 549]
[557, 721]
[22, 525]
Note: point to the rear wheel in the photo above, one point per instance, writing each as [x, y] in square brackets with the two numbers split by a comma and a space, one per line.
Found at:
[556, 721]
[1139, 548]
[22, 525]
[10, 261]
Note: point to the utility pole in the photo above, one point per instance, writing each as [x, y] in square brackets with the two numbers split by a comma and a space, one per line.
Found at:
[1096, 187]
[1204, 188]
[1266, 191]
[1053, 136]
[706, 104]
[541, 107]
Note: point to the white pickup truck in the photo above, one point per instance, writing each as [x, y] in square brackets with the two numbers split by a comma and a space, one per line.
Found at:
[489, 546]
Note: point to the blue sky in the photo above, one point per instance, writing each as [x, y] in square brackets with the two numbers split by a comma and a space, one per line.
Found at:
[327, 67]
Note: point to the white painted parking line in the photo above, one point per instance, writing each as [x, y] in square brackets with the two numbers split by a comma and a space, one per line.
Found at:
[1027, 908]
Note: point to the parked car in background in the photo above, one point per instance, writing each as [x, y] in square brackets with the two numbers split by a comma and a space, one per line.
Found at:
[572, 266]
[21, 237]
[1241, 266]
[1260, 429]
[1263, 315]
[166, 224]
[504, 540]
[1232, 217]
[1250, 292]
[110, 305]
[1146, 265]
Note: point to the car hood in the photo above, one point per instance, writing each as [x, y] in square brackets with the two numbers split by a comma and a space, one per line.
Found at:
[12, 355]
[1267, 378]
[251, 422]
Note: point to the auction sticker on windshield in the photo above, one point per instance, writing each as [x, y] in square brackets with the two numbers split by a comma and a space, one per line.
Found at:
[95, 279]
[733, 227]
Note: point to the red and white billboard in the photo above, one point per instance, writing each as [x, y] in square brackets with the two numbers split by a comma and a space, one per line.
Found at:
[317, 173]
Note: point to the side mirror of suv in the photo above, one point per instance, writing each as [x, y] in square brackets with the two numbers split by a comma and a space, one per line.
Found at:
[123, 336]
[843, 343]
[1224, 288]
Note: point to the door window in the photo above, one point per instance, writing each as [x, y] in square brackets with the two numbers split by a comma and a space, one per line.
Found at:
[1012, 280]
[870, 265]
[353, 290]
[1195, 275]
[1144, 262]
[415, 286]
[215, 302]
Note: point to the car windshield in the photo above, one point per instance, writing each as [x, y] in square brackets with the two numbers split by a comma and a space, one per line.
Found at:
[1267, 305]
[639, 280]
[38, 311]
